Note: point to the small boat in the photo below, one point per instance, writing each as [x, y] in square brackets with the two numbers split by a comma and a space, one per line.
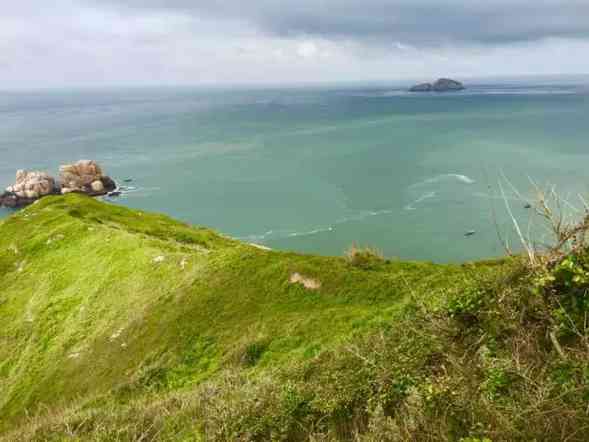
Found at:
[470, 233]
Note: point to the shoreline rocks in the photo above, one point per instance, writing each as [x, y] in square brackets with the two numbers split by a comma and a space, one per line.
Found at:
[29, 186]
[85, 176]
[441, 85]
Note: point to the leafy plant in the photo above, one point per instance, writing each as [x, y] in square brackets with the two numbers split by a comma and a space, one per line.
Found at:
[496, 383]
[466, 303]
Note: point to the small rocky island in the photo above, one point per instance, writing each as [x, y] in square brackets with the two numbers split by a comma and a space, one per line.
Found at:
[85, 176]
[441, 85]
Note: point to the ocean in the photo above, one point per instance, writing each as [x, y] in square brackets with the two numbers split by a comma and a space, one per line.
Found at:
[316, 169]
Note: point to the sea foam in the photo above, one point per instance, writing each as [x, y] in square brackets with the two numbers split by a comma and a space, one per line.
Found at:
[423, 197]
[445, 178]
[282, 233]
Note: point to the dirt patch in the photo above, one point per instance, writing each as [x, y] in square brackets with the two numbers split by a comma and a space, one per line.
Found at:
[308, 283]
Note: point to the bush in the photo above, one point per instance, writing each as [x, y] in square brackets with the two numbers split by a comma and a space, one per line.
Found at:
[364, 257]
[466, 304]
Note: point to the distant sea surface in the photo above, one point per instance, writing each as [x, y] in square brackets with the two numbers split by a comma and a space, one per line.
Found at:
[315, 170]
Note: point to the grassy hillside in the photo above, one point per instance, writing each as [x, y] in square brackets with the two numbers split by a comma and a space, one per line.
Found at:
[117, 324]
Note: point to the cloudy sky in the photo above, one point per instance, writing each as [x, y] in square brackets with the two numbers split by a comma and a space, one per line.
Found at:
[119, 42]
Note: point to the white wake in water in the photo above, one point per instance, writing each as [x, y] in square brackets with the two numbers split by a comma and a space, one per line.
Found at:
[447, 177]
[423, 197]
[282, 233]
[311, 232]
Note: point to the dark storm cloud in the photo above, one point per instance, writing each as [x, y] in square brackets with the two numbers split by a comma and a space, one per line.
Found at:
[427, 22]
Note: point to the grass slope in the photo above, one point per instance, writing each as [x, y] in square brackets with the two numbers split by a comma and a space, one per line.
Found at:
[96, 296]
[117, 324]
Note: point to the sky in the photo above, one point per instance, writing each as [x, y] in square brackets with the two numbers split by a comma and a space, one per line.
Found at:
[77, 43]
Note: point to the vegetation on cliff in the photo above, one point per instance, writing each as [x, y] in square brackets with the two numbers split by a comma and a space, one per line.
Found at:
[117, 324]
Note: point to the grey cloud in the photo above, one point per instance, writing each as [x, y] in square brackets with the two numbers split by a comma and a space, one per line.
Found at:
[100, 42]
[425, 22]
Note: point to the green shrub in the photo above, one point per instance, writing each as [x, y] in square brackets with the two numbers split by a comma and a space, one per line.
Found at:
[365, 258]
[497, 382]
[571, 274]
[466, 303]
[566, 291]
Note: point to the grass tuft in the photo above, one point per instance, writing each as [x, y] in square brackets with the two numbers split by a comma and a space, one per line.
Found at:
[365, 258]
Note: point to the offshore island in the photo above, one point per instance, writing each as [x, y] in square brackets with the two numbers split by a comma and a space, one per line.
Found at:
[440, 85]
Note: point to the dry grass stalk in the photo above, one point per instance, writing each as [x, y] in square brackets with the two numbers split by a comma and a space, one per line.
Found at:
[363, 257]
[565, 224]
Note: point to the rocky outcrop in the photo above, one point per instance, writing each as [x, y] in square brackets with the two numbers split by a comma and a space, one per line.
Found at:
[446, 84]
[28, 187]
[423, 87]
[441, 85]
[85, 176]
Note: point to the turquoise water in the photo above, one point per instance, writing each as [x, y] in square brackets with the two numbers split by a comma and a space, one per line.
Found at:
[314, 170]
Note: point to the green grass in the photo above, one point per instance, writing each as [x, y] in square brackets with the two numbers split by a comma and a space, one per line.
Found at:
[86, 306]
[117, 324]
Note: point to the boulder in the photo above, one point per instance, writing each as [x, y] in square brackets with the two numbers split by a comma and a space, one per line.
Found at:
[28, 187]
[85, 176]
[108, 183]
[97, 186]
[8, 199]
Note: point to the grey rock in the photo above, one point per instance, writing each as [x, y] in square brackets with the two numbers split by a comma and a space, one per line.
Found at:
[446, 84]
[28, 187]
[423, 87]
[441, 85]
[82, 177]
[108, 183]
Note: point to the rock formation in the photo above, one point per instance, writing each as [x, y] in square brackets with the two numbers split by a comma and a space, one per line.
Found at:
[85, 176]
[446, 84]
[423, 87]
[441, 85]
[29, 186]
